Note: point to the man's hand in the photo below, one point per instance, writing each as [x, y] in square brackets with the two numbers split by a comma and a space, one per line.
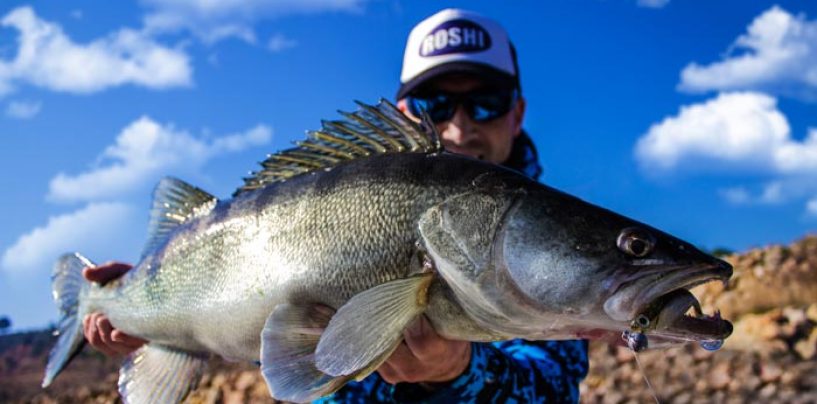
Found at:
[96, 327]
[424, 356]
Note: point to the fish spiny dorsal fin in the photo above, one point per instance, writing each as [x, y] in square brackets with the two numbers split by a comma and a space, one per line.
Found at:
[371, 130]
[175, 202]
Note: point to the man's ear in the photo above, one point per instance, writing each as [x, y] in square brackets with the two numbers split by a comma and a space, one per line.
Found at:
[518, 116]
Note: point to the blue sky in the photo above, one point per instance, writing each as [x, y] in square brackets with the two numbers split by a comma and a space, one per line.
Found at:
[697, 117]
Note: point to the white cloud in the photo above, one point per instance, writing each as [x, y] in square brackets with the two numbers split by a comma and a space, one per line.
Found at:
[279, 42]
[48, 58]
[653, 3]
[773, 192]
[741, 129]
[95, 227]
[811, 207]
[23, 109]
[736, 195]
[779, 56]
[782, 189]
[143, 151]
[213, 20]
[736, 132]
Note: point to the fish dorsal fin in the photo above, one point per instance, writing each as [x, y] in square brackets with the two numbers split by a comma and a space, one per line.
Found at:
[175, 202]
[370, 130]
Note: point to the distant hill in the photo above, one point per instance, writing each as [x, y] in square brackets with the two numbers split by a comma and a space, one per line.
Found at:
[771, 357]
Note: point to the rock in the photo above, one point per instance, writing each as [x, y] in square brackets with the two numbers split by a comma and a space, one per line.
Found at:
[808, 347]
[683, 398]
[811, 312]
[788, 378]
[770, 372]
[719, 377]
[702, 354]
[613, 397]
[234, 397]
[752, 383]
[768, 391]
[245, 380]
[624, 355]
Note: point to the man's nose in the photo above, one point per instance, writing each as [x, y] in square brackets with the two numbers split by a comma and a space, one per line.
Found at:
[458, 129]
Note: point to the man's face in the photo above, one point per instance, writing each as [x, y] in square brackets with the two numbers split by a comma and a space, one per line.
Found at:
[491, 140]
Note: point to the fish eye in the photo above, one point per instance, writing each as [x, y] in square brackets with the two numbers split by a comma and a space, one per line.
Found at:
[635, 242]
[642, 321]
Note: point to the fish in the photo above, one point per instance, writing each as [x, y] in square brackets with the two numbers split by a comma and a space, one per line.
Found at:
[321, 259]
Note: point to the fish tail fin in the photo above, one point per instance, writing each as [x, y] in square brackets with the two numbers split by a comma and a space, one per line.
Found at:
[68, 288]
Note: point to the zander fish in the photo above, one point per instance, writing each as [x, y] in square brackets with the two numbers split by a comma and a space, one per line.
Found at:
[321, 260]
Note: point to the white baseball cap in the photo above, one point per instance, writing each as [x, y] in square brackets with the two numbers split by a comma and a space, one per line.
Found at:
[455, 40]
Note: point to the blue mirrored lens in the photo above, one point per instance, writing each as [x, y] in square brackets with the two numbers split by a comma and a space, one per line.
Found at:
[480, 113]
[439, 108]
[481, 107]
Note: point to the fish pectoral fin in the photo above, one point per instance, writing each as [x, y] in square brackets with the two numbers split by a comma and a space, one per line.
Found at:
[159, 374]
[288, 342]
[367, 329]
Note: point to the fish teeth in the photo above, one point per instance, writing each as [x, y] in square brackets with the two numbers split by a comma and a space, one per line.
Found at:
[698, 311]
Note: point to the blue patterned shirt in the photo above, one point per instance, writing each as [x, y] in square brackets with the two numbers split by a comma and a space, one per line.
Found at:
[500, 372]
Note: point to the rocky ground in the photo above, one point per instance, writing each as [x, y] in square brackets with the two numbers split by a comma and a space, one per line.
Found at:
[771, 356]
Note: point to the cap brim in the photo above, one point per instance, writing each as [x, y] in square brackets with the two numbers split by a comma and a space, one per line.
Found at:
[491, 75]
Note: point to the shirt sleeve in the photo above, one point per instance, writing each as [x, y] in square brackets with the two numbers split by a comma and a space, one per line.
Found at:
[508, 371]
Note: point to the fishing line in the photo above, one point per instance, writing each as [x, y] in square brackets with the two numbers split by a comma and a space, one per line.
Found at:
[637, 342]
[644, 374]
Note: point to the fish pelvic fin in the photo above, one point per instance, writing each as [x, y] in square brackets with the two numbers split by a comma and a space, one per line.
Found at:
[174, 202]
[159, 374]
[288, 342]
[371, 130]
[369, 327]
[68, 288]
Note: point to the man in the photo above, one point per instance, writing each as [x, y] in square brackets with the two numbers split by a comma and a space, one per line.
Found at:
[461, 69]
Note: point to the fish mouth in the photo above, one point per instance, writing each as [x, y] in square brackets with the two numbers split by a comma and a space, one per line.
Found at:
[661, 303]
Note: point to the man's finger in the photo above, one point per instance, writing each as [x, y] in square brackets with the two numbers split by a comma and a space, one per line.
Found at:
[86, 327]
[425, 344]
[106, 272]
[127, 340]
[104, 327]
[94, 338]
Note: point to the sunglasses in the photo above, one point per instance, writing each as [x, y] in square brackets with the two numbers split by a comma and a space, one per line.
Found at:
[481, 106]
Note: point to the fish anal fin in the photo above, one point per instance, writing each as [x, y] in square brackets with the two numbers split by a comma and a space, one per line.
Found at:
[288, 341]
[158, 374]
[368, 328]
